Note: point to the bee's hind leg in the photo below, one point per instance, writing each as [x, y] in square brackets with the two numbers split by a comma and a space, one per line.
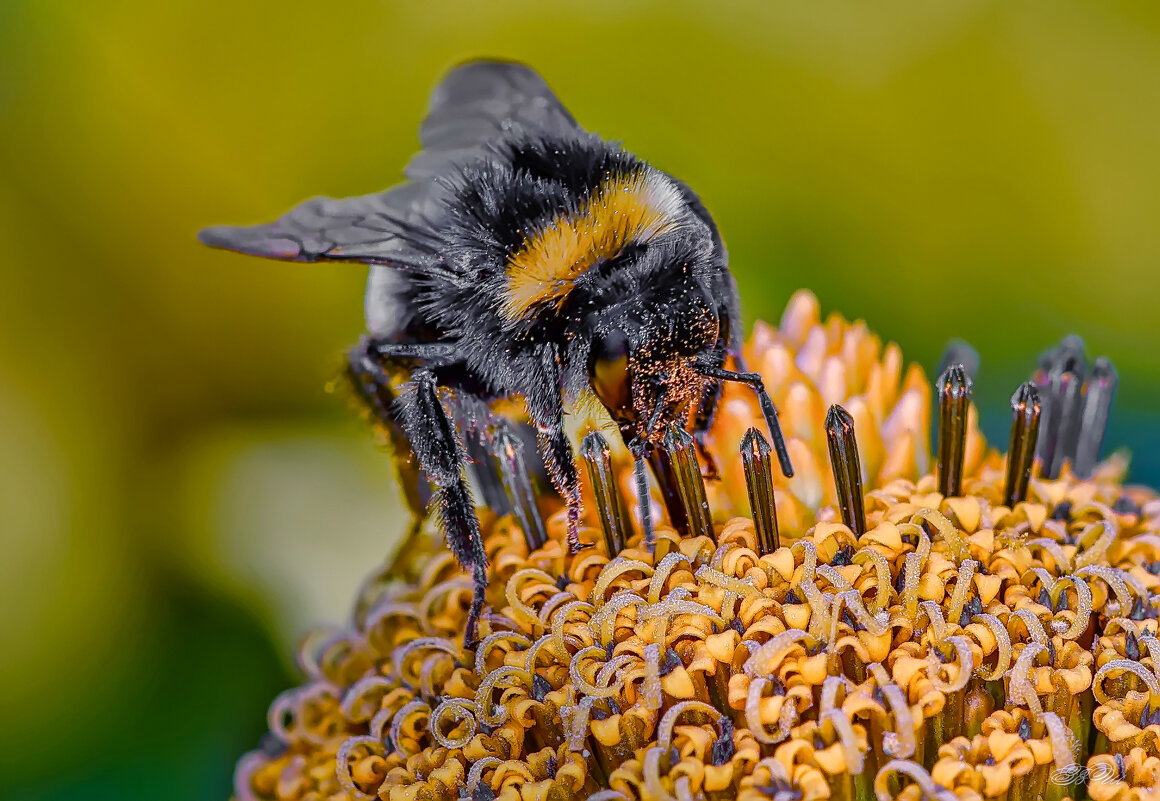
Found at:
[432, 435]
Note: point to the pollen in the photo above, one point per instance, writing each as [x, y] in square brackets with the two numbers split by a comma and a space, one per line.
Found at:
[901, 619]
[621, 210]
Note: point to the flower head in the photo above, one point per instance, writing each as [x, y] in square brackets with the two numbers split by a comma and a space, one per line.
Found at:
[883, 622]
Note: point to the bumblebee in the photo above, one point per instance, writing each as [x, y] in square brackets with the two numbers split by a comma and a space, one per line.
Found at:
[525, 258]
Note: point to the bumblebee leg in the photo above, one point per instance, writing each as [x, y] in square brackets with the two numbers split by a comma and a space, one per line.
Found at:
[368, 377]
[767, 408]
[367, 371]
[711, 396]
[432, 437]
[547, 413]
[561, 463]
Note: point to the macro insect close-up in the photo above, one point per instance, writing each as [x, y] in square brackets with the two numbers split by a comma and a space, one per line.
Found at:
[526, 257]
[611, 401]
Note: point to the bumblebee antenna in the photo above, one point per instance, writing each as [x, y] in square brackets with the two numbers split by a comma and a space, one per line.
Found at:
[767, 408]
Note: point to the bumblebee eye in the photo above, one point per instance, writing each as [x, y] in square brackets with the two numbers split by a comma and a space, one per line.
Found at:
[609, 371]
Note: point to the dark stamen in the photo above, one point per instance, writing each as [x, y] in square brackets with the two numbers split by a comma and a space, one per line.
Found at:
[666, 472]
[1044, 599]
[484, 457]
[540, 687]
[1068, 390]
[1131, 647]
[846, 468]
[683, 452]
[596, 454]
[961, 353]
[759, 480]
[723, 748]
[973, 607]
[642, 495]
[1097, 403]
[1025, 416]
[842, 556]
[272, 746]
[1059, 407]
[1125, 506]
[509, 457]
[1066, 356]
[671, 663]
[954, 395]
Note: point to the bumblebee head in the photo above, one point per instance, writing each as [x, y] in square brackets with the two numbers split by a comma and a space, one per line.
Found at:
[644, 356]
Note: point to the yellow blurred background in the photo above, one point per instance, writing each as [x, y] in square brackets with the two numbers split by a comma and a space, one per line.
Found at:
[180, 499]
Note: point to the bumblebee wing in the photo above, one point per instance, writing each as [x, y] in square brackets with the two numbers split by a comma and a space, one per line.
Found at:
[476, 104]
[394, 226]
[482, 102]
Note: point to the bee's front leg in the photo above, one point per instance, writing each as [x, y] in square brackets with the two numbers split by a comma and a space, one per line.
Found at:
[367, 374]
[556, 451]
[711, 395]
[432, 436]
[768, 411]
[547, 413]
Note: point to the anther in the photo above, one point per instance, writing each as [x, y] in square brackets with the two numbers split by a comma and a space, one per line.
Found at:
[954, 396]
[597, 456]
[723, 748]
[1025, 416]
[961, 353]
[1097, 403]
[666, 472]
[1059, 380]
[846, 468]
[1066, 356]
[1131, 647]
[683, 453]
[509, 456]
[1125, 506]
[485, 468]
[1044, 598]
[759, 480]
[643, 498]
[1069, 397]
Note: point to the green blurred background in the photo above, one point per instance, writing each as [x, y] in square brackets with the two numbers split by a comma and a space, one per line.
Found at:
[180, 499]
